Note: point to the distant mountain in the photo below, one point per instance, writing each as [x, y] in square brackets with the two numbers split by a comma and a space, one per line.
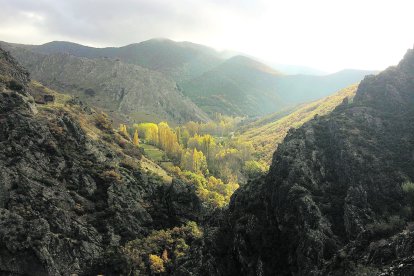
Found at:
[242, 86]
[127, 91]
[239, 85]
[267, 132]
[302, 88]
[178, 60]
[288, 69]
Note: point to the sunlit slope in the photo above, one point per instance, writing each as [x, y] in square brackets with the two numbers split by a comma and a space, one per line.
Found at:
[267, 132]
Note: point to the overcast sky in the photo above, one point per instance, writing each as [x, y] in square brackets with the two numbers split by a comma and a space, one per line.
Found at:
[325, 34]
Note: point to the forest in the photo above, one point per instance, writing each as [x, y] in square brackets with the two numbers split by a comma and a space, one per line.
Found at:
[207, 155]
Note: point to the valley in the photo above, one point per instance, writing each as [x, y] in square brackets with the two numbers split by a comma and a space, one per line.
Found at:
[171, 158]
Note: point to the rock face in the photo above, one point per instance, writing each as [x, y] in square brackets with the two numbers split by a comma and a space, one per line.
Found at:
[332, 203]
[63, 208]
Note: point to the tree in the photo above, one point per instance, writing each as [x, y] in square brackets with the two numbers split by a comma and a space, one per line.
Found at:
[123, 130]
[194, 161]
[149, 132]
[136, 140]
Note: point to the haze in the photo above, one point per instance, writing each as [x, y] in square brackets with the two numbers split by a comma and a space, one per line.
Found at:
[327, 35]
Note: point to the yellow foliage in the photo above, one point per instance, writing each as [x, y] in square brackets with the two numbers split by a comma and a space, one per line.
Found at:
[136, 140]
[156, 264]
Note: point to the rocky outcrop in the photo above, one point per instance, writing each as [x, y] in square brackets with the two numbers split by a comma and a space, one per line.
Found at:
[64, 203]
[332, 203]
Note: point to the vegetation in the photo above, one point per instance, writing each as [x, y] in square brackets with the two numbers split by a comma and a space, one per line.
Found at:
[267, 132]
[205, 155]
[162, 250]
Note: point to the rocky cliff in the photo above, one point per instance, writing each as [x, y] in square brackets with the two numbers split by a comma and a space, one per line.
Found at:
[332, 203]
[68, 199]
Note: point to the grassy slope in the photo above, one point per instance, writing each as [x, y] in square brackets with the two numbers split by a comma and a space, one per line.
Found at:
[266, 133]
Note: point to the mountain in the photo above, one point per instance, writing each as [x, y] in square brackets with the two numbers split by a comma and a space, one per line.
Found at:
[127, 91]
[307, 88]
[70, 194]
[242, 86]
[235, 85]
[338, 198]
[238, 86]
[287, 69]
[267, 132]
[178, 60]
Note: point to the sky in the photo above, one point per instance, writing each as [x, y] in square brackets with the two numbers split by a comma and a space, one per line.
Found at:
[329, 35]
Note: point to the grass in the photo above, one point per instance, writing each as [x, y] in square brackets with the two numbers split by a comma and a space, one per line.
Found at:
[153, 152]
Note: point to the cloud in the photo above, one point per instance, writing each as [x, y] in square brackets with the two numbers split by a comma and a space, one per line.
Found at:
[321, 33]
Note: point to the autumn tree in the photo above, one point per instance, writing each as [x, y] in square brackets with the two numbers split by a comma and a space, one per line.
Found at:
[149, 132]
[167, 140]
[136, 140]
[123, 130]
[195, 161]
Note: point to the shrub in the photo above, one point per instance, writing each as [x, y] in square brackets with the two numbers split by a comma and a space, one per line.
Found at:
[14, 85]
[129, 164]
[388, 228]
[111, 176]
[102, 121]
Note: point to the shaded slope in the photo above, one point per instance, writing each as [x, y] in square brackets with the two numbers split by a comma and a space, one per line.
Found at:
[332, 203]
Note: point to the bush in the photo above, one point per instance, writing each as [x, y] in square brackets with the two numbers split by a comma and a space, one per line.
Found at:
[102, 122]
[129, 164]
[384, 229]
[14, 85]
[111, 176]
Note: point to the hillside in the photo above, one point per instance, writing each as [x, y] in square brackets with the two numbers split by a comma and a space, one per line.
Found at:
[73, 191]
[338, 199]
[128, 92]
[267, 132]
[241, 86]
